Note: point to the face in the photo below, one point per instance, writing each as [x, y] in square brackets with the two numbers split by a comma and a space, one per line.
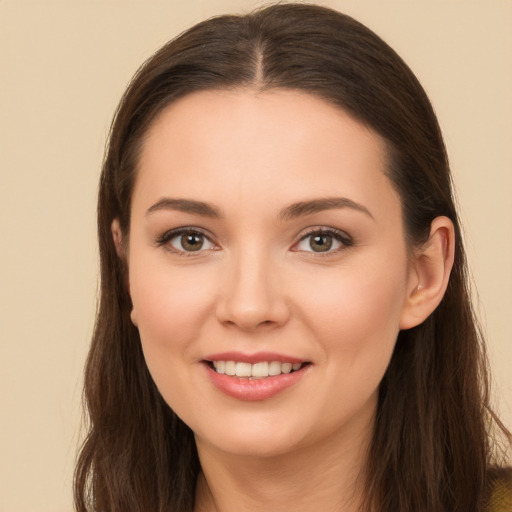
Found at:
[267, 267]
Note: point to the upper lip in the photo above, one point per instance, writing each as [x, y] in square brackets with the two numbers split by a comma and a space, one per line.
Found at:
[257, 357]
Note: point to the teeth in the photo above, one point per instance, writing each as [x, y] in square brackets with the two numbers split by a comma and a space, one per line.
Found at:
[274, 368]
[257, 370]
[286, 367]
[243, 369]
[229, 368]
[220, 366]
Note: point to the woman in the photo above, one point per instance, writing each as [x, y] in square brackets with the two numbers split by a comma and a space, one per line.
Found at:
[284, 316]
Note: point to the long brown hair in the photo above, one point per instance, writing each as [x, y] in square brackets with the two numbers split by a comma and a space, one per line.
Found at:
[433, 443]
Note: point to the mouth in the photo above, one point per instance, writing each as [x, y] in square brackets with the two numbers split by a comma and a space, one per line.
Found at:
[254, 371]
[257, 376]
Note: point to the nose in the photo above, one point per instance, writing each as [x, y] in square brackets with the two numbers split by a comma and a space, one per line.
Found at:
[252, 296]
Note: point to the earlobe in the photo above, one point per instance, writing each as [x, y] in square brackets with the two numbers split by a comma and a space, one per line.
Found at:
[430, 273]
[133, 317]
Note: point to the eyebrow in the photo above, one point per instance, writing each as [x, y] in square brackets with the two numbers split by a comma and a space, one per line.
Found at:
[187, 206]
[318, 205]
[293, 211]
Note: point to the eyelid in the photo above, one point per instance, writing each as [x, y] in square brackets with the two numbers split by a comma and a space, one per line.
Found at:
[167, 236]
[340, 236]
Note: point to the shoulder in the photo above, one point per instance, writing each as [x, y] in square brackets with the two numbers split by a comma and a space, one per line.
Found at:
[500, 490]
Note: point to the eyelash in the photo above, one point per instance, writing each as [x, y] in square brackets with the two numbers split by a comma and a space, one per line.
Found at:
[341, 237]
[174, 233]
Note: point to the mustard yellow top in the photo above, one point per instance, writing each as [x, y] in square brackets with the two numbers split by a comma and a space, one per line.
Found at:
[501, 493]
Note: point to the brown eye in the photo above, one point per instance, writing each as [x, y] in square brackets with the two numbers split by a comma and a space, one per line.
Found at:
[191, 241]
[188, 241]
[320, 243]
[324, 240]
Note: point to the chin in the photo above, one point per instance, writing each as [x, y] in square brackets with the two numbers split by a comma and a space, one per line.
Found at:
[263, 439]
[264, 448]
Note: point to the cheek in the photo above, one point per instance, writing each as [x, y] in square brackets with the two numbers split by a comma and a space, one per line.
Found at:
[356, 297]
[356, 315]
[170, 305]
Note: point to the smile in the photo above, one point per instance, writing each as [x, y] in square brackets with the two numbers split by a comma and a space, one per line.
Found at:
[260, 370]
[259, 376]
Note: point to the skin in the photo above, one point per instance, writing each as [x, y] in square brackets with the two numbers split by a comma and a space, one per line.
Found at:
[258, 284]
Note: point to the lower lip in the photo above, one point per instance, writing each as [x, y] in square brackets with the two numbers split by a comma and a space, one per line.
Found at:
[254, 389]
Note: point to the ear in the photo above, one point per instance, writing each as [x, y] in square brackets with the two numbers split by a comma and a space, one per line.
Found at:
[133, 317]
[430, 273]
[117, 236]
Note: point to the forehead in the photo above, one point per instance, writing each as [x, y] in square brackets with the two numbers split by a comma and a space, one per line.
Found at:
[279, 144]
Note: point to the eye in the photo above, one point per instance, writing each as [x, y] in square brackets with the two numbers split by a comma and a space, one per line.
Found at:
[186, 241]
[323, 241]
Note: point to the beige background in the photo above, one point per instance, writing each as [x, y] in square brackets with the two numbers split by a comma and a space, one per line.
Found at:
[63, 67]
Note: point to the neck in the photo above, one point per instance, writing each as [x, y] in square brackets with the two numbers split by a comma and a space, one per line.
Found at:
[329, 478]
